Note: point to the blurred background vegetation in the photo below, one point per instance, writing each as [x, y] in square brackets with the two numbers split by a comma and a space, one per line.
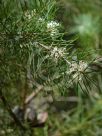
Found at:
[55, 44]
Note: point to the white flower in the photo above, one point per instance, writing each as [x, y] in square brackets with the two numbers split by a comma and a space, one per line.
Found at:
[57, 53]
[52, 27]
[76, 69]
[30, 14]
[81, 66]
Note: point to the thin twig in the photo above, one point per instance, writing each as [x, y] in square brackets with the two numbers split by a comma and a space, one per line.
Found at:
[31, 96]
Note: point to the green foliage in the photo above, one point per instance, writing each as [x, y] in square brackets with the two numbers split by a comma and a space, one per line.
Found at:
[36, 49]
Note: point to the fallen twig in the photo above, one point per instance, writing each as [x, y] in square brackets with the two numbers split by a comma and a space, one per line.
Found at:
[31, 96]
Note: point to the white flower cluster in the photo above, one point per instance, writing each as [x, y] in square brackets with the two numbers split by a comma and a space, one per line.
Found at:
[81, 66]
[76, 69]
[57, 53]
[52, 27]
[30, 14]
